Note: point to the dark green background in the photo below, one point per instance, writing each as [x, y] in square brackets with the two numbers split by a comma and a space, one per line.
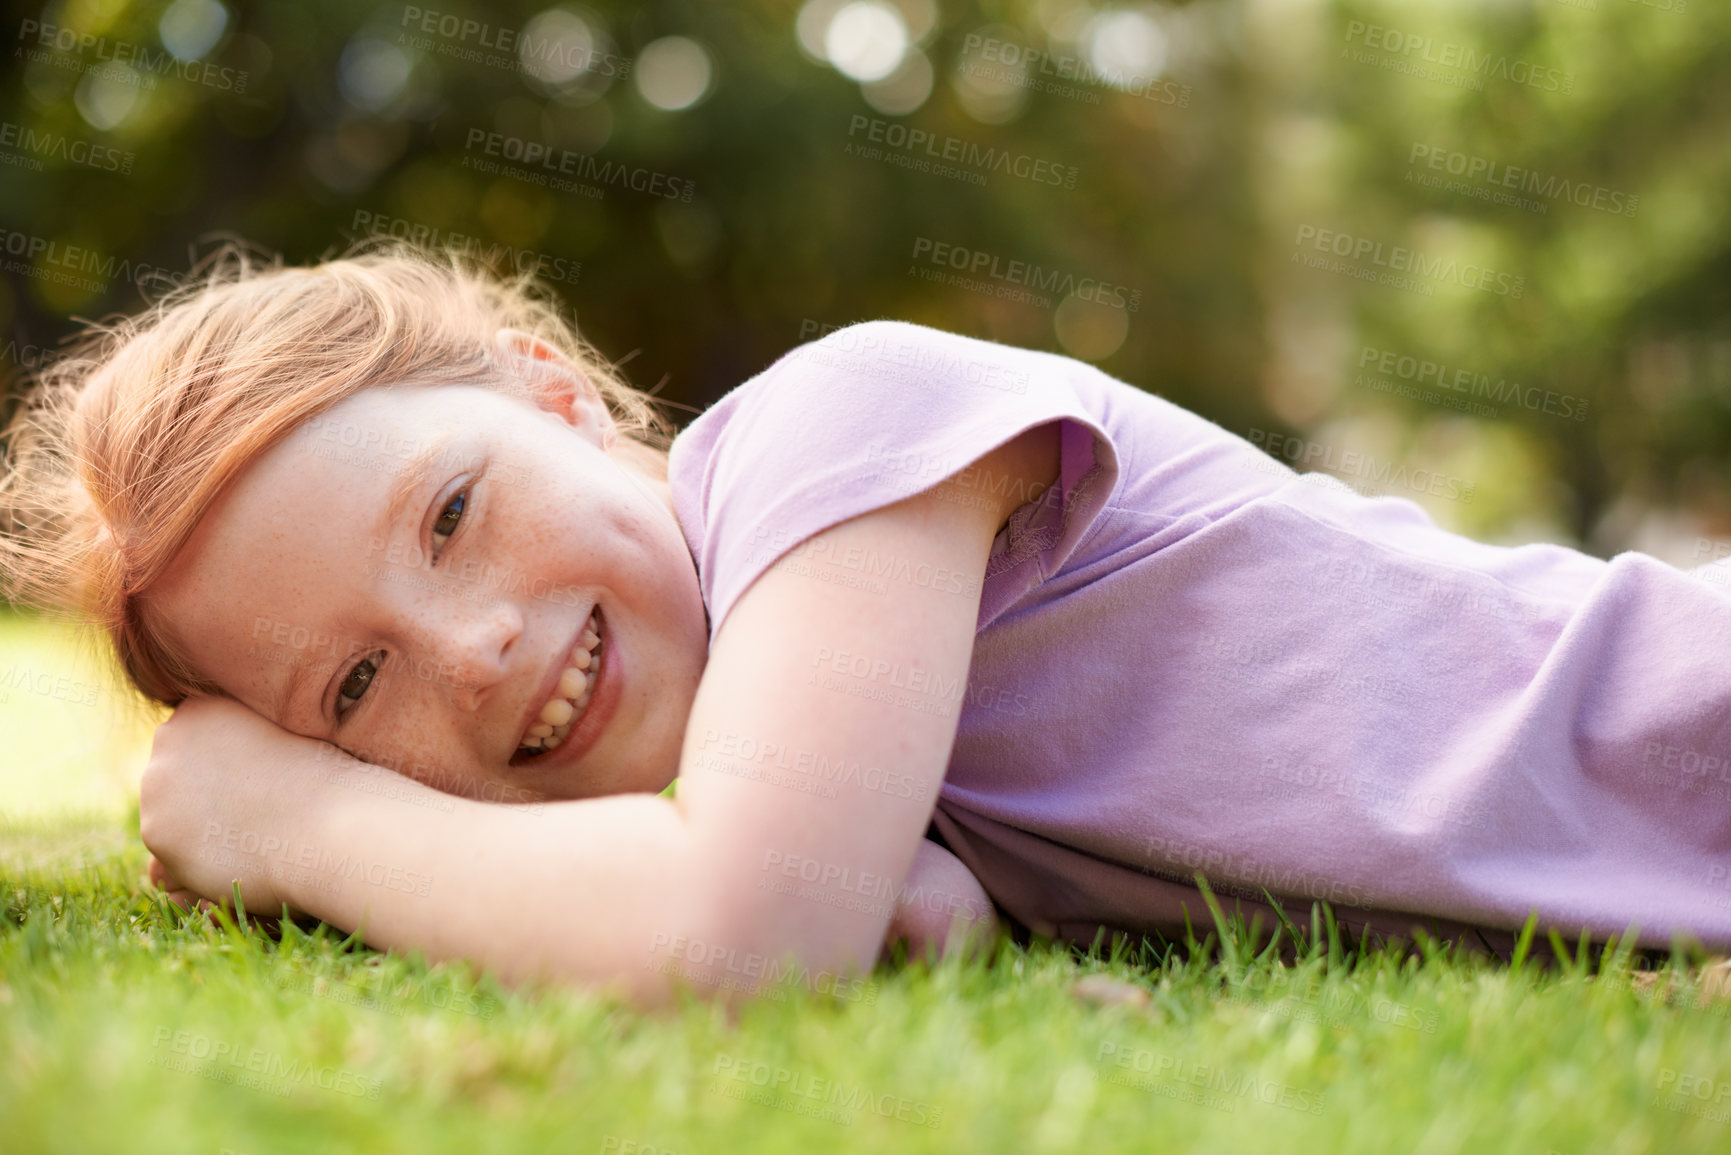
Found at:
[1197, 207]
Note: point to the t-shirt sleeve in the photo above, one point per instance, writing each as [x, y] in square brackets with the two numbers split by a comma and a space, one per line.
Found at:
[869, 415]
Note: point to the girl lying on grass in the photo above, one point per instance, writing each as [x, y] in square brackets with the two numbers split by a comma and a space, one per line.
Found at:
[914, 620]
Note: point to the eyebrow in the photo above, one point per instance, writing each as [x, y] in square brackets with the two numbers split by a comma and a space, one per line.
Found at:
[412, 477]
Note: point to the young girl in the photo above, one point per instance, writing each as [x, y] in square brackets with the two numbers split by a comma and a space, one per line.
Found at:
[907, 615]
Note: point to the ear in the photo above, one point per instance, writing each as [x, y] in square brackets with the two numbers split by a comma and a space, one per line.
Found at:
[554, 383]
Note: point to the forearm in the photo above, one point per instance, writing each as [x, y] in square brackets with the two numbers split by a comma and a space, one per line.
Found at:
[412, 868]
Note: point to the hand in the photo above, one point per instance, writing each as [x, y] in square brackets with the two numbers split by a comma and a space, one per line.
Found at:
[218, 803]
[941, 907]
[162, 880]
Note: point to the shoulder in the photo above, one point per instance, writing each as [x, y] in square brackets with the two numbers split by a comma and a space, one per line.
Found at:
[904, 352]
[864, 418]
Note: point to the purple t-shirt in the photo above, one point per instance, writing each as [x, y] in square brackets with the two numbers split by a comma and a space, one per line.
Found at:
[1191, 657]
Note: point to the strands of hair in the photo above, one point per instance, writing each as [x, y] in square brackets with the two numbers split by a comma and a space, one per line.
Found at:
[117, 446]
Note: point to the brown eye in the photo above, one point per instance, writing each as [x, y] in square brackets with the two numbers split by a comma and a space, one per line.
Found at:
[354, 687]
[450, 516]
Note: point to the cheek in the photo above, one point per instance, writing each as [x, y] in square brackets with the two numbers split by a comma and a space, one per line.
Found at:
[412, 738]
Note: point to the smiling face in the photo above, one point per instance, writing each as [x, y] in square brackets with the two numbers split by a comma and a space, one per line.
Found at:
[428, 634]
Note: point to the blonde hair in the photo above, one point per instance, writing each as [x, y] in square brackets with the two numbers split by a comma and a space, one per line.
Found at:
[122, 443]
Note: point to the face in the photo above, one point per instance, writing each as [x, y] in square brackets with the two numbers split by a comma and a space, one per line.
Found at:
[428, 634]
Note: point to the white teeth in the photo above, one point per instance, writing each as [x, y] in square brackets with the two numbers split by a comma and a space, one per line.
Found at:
[560, 714]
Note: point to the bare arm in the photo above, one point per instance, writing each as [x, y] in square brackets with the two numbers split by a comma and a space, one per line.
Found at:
[625, 889]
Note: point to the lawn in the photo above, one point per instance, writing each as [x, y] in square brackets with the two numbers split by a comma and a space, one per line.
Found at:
[127, 1025]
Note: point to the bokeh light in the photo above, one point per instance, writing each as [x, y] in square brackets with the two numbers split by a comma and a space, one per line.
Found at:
[866, 40]
[372, 73]
[191, 28]
[557, 47]
[1089, 330]
[811, 26]
[105, 96]
[1125, 46]
[673, 73]
[904, 90]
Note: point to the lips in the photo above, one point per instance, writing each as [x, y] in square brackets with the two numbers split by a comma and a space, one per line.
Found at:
[566, 693]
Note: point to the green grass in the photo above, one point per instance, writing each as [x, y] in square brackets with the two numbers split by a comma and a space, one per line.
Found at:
[1424, 1051]
[129, 1026]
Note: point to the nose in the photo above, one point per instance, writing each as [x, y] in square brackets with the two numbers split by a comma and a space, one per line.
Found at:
[470, 643]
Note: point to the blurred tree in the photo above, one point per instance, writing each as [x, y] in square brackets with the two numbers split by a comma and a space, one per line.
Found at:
[1147, 186]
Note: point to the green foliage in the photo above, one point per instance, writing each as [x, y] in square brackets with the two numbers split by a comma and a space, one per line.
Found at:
[1187, 196]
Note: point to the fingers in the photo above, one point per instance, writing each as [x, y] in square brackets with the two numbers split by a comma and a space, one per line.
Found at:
[176, 893]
